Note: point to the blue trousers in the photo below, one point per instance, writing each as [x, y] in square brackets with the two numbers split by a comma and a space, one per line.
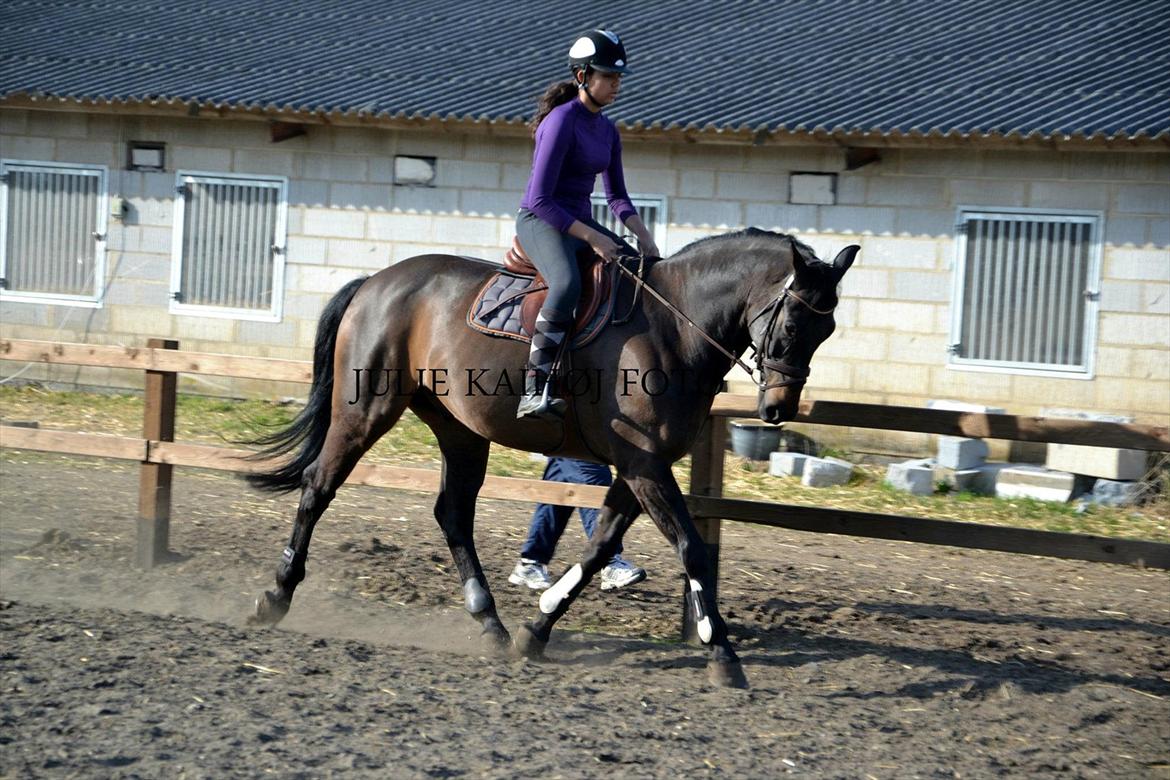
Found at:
[549, 520]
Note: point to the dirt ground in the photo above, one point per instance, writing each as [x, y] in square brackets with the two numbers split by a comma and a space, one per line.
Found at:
[866, 658]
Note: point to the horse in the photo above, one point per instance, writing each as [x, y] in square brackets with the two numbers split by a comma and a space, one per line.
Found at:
[399, 340]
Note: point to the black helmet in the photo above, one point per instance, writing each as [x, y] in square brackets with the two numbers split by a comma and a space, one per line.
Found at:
[598, 49]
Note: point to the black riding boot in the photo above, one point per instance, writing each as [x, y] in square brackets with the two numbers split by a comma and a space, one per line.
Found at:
[539, 400]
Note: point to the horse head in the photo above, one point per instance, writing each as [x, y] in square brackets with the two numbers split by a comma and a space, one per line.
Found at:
[789, 330]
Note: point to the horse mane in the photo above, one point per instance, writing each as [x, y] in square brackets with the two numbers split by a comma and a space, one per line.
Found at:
[759, 239]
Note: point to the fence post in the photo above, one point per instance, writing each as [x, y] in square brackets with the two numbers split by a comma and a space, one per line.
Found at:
[706, 480]
[154, 479]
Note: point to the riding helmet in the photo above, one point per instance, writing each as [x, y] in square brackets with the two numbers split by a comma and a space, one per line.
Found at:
[598, 49]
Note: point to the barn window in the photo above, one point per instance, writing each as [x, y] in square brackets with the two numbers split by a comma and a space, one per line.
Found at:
[651, 208]
[228, 248]
[52, 232]
[1026, 291]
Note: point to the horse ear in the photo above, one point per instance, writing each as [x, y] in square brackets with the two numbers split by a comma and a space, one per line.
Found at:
[845, 258]
[799, 264]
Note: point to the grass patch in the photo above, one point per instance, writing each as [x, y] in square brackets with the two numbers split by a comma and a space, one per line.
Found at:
[229, 422]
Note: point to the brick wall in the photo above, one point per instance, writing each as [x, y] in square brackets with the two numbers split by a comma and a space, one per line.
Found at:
[346, 218]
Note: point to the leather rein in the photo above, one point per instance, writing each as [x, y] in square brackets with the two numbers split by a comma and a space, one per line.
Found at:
[797, 375]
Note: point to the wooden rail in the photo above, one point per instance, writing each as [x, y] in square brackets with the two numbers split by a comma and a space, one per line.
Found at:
[162, 362]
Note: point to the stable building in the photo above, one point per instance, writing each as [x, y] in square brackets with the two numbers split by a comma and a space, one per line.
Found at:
[213, 174]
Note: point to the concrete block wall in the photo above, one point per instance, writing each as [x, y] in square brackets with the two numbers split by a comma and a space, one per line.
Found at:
[346, 217]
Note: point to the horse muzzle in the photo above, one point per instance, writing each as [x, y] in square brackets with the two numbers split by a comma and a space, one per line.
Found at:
[780, 404]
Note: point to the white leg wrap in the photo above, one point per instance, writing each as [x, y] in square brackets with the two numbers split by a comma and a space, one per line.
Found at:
[552, 598]
[704, 629]
[703, 626]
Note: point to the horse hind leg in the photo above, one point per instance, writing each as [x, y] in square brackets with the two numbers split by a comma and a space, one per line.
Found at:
[465, 456]
[348, 438]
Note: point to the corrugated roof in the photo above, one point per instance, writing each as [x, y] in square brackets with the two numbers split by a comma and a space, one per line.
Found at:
[1093, 69]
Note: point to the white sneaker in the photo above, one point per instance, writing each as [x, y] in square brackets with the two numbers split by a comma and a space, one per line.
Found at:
[532, 574]
[620, 573]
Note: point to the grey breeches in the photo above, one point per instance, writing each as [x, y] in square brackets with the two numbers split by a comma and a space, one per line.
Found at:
[555, 255]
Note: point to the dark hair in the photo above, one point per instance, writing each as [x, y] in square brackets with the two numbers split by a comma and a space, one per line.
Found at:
[556, 94]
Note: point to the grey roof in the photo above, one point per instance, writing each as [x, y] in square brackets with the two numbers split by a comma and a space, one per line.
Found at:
[1095, 69]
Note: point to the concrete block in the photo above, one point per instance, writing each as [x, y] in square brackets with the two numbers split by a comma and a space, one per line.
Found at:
[198, 158]
[906, 190]
[787, 464]
[1134, 330]
[335, 222]
[695, 184]
[264, 161]
[858, 220]
[334, 167]
[714, 213]
[1151, 199]
[913, 476]
[1104, 462]
[1078, 414]
[1109, 492]
[962, 406]
[979, 480]
[958, 453]
[1025, 481]
[20, 147]
[896, 315]
[826, 472]
[1146, 265]
[736, 185]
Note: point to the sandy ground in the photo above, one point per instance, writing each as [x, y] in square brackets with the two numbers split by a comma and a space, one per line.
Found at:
[866, 659]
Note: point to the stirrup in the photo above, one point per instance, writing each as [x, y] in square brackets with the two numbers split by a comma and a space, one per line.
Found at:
[542, 405]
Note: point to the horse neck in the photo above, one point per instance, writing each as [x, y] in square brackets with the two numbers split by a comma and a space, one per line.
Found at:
[717, 288]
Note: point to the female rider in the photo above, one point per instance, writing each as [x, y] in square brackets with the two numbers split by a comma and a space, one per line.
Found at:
[574, 143]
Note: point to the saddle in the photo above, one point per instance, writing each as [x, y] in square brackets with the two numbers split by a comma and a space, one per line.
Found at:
[509, 302]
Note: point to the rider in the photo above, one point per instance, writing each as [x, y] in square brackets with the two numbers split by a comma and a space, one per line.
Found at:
[574, 143]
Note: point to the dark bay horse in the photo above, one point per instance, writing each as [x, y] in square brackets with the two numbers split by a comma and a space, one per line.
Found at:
[639, 394]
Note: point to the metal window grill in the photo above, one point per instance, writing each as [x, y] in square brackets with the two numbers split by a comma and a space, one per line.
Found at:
[53, 230]
[652, 210]
[229, 242]
[1027, 296]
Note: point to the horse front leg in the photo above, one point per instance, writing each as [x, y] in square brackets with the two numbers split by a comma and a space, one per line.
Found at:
[618, 511]
[660, 496]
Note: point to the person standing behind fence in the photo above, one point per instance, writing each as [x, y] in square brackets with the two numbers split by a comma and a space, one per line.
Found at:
[549, 521]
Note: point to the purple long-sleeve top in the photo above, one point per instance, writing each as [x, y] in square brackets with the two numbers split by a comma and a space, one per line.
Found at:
[573, 145]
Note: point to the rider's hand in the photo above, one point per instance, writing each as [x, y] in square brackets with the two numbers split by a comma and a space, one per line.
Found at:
[605, 246]
[649, 248]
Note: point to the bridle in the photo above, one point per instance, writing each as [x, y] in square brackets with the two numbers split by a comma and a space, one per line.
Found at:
[796, 375]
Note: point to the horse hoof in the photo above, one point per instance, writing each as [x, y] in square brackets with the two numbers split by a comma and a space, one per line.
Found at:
[496, 643]
[270, 610]
[726, 675]
[528, 644]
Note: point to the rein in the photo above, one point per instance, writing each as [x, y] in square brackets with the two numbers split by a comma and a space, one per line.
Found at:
[797, 374]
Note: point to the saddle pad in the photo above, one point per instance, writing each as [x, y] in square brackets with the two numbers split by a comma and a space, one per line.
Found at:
[496, 311]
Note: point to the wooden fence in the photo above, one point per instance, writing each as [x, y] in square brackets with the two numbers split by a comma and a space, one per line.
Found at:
[158, 453]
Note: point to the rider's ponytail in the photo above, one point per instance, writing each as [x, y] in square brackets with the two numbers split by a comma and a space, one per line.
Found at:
[558, 93]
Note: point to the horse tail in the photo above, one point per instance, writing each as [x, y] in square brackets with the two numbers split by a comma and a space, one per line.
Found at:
[308, 429]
